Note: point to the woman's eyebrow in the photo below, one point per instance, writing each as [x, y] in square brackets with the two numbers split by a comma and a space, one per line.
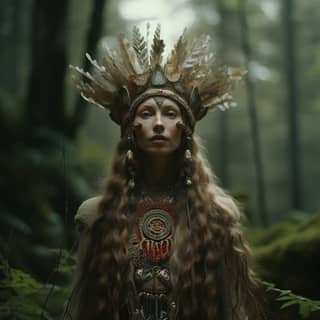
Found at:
[168, 104]
[147, 106]
[171, 106]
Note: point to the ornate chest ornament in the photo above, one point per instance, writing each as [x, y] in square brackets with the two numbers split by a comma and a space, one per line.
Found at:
[150, 280]
[155, 229]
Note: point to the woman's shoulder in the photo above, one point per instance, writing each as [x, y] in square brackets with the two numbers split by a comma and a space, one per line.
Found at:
[88, 212]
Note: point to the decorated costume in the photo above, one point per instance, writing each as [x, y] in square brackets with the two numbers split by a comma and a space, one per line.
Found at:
[160, 254]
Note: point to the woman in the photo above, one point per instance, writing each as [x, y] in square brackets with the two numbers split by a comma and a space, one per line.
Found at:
[163, 240]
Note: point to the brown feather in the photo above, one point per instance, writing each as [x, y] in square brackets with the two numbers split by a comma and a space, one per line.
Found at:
[196, 61]
[156, 49]
[124, 53]
[140, 47]
[177, 58]
[129, 56]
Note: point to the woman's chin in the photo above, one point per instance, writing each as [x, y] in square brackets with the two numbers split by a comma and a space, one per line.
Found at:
[160, 151]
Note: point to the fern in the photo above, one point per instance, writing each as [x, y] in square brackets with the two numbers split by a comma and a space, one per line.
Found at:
[67, 262]
[19, 292]
[287, 298]
[24, 298]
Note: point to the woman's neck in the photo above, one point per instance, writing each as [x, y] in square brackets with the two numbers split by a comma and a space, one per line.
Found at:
[159, 172]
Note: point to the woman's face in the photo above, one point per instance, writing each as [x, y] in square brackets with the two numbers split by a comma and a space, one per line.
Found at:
[158, 132]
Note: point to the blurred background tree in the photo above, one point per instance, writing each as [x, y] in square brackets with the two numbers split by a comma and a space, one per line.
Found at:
[56, 149]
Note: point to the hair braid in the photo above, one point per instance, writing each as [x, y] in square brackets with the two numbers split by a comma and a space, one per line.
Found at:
[201, 251]
[106, 259]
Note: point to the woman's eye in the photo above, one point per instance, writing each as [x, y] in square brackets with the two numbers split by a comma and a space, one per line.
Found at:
[171, 114]
[145, 113]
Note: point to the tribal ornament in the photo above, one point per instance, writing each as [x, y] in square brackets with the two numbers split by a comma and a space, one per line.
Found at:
[131, 73]
[155, 229]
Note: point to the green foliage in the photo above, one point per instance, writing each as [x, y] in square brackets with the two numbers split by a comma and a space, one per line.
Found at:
[19, 293]
[287, 298]
[287, 253]
[66, 265]
[40, 176]
[23, 297]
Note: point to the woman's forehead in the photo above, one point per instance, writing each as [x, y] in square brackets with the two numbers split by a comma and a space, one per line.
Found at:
[158, 101]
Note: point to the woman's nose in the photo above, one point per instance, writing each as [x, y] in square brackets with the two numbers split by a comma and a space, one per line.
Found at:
[158, 125]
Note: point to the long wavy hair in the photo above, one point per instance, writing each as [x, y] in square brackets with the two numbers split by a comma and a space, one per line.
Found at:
[211, 268]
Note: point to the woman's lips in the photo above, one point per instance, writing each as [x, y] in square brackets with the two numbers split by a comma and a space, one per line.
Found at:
[158, 138]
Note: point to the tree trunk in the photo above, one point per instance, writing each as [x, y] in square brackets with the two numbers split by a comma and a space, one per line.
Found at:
[292, 103]
[45, 101]
[10, 27]
[94, 33]
[255, 133]
[223, 121]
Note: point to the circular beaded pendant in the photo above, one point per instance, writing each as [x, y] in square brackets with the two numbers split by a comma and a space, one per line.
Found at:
[156, 224]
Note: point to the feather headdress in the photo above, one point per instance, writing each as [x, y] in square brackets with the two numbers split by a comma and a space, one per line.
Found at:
[191, 75]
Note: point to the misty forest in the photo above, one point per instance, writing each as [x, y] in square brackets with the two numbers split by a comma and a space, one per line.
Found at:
[57, 149]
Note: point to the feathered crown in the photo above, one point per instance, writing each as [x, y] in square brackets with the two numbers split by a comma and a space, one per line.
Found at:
[127, 76]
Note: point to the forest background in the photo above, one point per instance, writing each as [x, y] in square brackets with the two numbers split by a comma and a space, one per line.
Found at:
[56, 149]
